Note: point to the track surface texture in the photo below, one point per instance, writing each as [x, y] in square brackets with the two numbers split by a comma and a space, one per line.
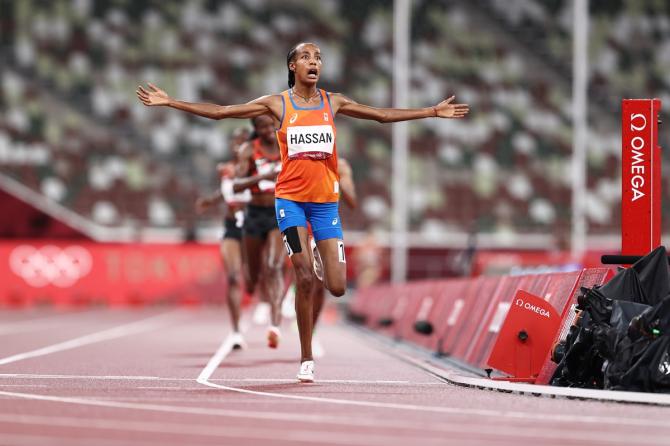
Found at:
[166, 376]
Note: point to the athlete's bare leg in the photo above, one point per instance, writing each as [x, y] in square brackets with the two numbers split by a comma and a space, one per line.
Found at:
[304, 277]
[253, 252]
[318, 298]
[273, 275]
[334, 265]
[231, 254]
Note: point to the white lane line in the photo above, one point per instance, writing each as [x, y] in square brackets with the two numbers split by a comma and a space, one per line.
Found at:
[135, 327]
[329, 381]
[495, 427]
[166, 388]
[224, 349]
[375, 404]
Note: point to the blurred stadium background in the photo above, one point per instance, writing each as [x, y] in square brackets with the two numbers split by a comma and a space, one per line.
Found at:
[81, 157]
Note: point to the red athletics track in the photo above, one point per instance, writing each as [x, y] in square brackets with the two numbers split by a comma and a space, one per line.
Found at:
[152, 377]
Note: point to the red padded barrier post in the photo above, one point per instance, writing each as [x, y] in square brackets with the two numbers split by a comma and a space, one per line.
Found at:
[554, 288]
[525, 337]
[641, 176]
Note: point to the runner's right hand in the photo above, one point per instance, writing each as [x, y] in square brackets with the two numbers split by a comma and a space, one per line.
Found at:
[153, 96]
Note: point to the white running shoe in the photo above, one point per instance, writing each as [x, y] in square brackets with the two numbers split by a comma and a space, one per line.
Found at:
[261, 313]
[318, 263]
[238, 341]
[306, 372]
[274, 335]
[317, 349]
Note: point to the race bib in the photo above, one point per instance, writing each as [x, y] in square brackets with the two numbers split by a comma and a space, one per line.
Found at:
[230, 196]
[310, 142]
[239, 218]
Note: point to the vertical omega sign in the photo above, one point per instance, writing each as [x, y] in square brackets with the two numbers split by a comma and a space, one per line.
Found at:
[640, 176]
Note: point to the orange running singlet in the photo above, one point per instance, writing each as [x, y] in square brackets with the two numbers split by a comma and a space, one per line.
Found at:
[306, 140]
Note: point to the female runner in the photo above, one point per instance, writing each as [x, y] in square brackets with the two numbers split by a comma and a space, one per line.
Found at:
[308, 185]
[257, 166]
[231, 247]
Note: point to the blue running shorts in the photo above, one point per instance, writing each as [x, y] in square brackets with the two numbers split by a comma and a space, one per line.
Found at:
[323, 217]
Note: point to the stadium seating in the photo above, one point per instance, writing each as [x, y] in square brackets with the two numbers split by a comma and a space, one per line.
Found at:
[505, 169]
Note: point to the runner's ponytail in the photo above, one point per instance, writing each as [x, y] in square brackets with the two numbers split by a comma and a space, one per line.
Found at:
[289, 59]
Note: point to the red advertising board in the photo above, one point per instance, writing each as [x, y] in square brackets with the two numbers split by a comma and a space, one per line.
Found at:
[70, 273]
[525, 337]
[640, 176]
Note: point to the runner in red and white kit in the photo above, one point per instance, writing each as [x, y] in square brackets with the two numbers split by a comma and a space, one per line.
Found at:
[256, 170]
[231, 246]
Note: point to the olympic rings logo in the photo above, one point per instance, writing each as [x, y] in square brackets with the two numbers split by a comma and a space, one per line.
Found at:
[50, 265]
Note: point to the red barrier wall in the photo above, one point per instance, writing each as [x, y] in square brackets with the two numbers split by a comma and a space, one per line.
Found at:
[466, 314]
[72, 273]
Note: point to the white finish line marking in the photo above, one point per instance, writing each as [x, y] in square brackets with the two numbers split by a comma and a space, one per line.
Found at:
[147, 324]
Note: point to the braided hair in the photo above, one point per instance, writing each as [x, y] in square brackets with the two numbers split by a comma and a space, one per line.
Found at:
[289, 59]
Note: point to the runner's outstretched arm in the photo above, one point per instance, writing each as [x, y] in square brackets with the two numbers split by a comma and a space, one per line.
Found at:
[271, 104]
[349, 107]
